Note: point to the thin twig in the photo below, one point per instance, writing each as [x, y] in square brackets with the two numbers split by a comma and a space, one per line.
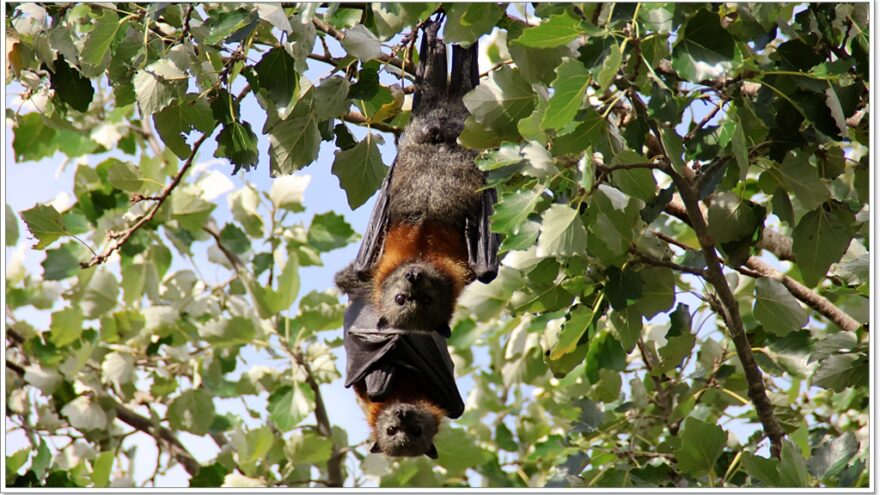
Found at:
[125, 235]
[650, 260]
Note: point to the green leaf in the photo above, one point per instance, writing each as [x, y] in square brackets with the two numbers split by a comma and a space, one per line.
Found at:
[226, 332]
[238, 143]
[45, 224]
[701, 445]
[500, 101]
[234, 239]
[288, 285]
[308, 448]
[658, 292]
[101, 467]
[175, 121]
[704, 49]
[792, 468]
[569, 87]
[679, 340]
[95, 55]
[189, 209]
[331, 97]
[42, 460]
[320, 311]
[622, 286]
[562, 233]
[776, 308]
[762, 469]
[731, 219]
[572, 330]
[330, 231]
[610, 66]
[253, 446]
[468, 21]
[796, 175]
[294, 142]
[820, 239]
[360, 42]
[101, 294]
[833, 344]
[62, 262]
[157, 85]
[221, 27]
[674, 147]
[360, 171]
[513, 208]
[11, 226]
[209, 476]
[557, 30]
[636, 182]
[458, 451]
[33, 139]
[833, 455]
[15, 461]
[71, 87]
[192, 411]
[839, 371]
[66, 326]
[288, 405]
[124, 176]
[627, 327]
[278, 76]
[657, 17]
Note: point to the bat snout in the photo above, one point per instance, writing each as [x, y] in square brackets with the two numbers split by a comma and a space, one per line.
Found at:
[414, 275]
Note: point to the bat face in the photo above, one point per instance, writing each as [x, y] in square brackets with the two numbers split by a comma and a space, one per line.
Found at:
[406, 429]
[441, 125]
[417, 296]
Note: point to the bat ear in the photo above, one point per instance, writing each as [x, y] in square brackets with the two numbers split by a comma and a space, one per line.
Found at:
[444, 330]
[376, 450]
[382, 324]
[432, 452]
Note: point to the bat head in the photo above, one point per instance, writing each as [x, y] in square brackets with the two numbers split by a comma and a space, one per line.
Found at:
[406, 429]
[417, 296]
[438, 125]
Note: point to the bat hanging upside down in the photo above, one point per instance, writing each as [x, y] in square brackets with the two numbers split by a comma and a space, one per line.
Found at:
[427, 238]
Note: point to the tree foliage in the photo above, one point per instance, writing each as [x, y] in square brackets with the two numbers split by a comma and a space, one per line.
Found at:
[683, 198]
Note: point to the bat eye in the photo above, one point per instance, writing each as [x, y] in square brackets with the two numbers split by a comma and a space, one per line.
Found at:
[426, 300]
[391, 431]
[400, 299]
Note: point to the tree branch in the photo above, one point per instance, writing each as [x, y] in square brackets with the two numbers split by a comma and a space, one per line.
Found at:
[339, 36]
[118, 240]
[729, 311]
[360, 119]
[776, 243]
[822, 305]
[140, 423]
[334, 464]
[650, 260]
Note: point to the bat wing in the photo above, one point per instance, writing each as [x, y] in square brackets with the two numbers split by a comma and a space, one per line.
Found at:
[431, 72]
[482, 243]
[380, 357]
[374, 236]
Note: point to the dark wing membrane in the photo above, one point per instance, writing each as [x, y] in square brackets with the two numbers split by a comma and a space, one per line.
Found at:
[374, 237]
[465, 70]
[379, 357]
[482, 243]
[431, 71]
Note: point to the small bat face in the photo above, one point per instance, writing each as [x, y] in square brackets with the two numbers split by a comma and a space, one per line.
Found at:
[440, 125]
[417, 296]
[405, 429]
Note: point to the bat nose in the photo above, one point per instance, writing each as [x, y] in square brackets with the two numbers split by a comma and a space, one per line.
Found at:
[414, 275]
[401, 413]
